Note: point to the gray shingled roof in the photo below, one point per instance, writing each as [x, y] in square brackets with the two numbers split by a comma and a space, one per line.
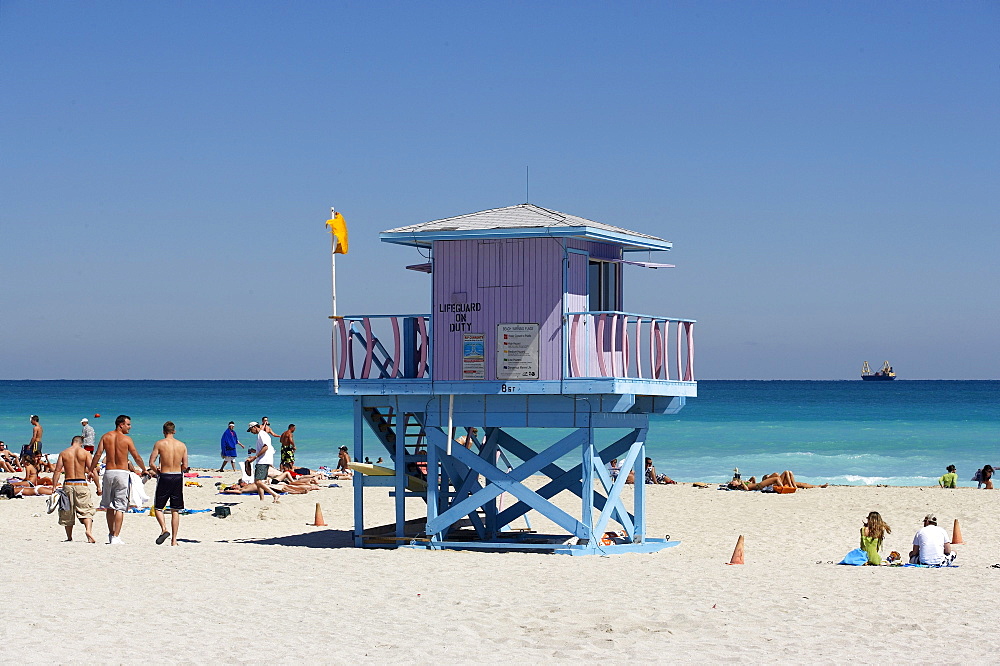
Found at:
[522, 216]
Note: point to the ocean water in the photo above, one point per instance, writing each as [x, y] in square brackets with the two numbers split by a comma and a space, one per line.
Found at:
[845, 432]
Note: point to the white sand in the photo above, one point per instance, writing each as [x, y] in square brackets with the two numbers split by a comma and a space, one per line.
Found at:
[264, 572]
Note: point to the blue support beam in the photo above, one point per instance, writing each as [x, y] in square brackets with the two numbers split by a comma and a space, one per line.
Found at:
[433, 487]
[499, 481]
[400, 461]
[564, 479]
[359, 480]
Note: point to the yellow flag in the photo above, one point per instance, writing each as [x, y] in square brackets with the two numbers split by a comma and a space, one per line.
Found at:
[338, 228]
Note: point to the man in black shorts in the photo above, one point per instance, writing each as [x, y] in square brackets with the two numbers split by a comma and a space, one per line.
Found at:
[173, 462]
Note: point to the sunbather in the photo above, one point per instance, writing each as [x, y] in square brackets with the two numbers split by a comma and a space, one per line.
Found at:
[242, 488]
[26, 488]
[653, 477]
[785, 479]
[343, 460]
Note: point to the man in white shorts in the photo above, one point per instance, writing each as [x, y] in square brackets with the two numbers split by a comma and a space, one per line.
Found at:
[116, 446]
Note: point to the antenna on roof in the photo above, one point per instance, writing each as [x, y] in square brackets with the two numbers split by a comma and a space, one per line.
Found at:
[526, 198]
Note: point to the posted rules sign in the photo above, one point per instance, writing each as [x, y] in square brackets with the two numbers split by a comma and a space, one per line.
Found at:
[473, 356]
[517, 351]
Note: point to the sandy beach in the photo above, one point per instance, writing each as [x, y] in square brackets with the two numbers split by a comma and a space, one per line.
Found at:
[264, 570]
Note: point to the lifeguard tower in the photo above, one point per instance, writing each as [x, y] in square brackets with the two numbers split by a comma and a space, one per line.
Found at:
[527, 334]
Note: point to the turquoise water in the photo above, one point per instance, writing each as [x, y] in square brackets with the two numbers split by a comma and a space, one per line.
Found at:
[848, 432]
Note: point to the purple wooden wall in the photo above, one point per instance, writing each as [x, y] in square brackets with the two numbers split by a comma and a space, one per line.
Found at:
[515, 281]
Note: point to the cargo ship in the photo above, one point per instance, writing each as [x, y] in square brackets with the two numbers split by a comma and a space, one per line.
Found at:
[884, 375]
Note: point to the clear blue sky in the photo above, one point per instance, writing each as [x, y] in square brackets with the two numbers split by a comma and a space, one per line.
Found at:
[828, 173]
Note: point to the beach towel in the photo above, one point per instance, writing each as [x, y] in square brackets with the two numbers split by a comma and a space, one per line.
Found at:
[856, 558]
[57, 500]
[136, 493]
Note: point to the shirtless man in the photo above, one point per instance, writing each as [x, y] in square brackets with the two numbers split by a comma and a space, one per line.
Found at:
[35, 445]
[116, 446]
[287, 440]
[173, 463]
[74, 462]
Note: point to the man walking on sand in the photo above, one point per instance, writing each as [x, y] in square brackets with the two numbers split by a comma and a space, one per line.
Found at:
[229, 442]
[288, 446]
[116, 446]
[173, 462]
[263, 460]
[74, 462]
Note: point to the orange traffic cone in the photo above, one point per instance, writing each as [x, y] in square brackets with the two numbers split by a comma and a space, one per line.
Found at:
[956, 534]
[318, 520]
[738, 553]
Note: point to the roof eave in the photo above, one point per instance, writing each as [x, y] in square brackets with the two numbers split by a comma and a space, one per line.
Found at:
[629, 242]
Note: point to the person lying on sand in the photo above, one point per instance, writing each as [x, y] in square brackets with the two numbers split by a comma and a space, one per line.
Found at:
[243, 488]
[786, 479]
[303, 474]
[27, 489]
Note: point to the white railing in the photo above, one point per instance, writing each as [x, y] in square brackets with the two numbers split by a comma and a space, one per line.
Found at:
[622, 344]
[381, 346]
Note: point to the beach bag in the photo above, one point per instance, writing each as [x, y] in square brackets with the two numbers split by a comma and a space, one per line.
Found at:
[855, 558]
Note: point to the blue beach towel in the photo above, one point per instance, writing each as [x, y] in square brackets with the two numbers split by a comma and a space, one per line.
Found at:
[856, 558]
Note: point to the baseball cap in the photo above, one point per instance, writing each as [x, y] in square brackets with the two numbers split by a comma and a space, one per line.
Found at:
[84, 420]
[253, 424]
[930, 518]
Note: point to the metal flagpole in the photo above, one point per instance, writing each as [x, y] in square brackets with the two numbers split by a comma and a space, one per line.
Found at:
[333, 303]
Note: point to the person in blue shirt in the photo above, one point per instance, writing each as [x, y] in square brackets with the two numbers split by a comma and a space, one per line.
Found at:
[229, 442]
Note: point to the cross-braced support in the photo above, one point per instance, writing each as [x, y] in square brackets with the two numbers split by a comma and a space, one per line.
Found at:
[466, 489]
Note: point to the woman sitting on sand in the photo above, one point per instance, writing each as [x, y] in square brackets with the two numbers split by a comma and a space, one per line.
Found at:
[343, 460]
[872, 533]
[653, 477]
[786, 479]
[986, 476]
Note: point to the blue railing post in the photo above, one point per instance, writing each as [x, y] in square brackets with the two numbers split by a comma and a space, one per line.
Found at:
[409, 347]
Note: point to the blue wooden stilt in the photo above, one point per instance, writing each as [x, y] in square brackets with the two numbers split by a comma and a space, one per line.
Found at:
[359, 481]
[400, 460]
